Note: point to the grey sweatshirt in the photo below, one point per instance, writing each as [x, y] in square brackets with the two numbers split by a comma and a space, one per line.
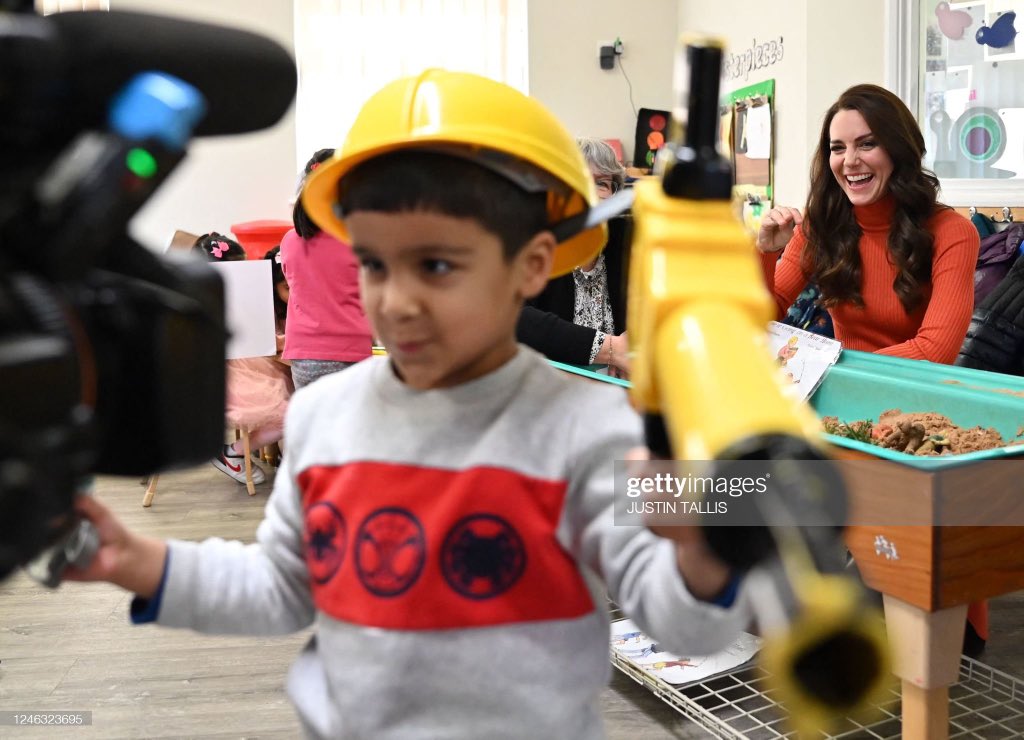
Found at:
[455, 550]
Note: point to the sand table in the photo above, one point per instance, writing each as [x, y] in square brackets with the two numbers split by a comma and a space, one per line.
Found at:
[920, 433]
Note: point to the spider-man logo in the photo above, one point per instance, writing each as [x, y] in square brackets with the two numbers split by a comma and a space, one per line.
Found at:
[325, 540]
[390, 551]
[482, 556]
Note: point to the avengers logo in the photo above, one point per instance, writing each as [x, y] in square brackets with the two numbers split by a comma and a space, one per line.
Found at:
[390, 551]
[325, 541]
[482, 556]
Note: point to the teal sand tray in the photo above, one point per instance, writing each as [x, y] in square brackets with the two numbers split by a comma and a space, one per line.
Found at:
[862, 386]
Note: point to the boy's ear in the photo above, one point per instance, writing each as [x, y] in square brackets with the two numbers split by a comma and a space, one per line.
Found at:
[533, 264]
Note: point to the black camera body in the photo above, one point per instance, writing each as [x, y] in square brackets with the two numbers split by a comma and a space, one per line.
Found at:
[111, 357]
[110, 373]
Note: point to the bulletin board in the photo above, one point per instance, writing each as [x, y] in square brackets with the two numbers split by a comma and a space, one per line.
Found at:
[747, 139]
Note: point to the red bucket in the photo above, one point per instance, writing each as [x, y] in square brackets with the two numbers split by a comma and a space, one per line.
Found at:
[258, 237]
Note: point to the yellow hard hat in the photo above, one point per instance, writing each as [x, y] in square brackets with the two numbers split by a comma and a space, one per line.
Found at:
[475, 117]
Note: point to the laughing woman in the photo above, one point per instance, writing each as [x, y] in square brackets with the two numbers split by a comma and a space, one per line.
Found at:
[895, 268]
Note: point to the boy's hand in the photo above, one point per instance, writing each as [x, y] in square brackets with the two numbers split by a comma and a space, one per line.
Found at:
[705, 576]
[126, 559]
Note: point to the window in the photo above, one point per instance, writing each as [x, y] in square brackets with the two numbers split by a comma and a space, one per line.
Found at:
[46, 7]
[349, 49]
[958, 64]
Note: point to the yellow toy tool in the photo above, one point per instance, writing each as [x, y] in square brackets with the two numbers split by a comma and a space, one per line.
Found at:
[710, 390]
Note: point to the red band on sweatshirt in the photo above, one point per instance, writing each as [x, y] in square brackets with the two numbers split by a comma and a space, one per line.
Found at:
[407, 547]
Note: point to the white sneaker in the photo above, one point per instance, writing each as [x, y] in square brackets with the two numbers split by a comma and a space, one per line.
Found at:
[234, 465]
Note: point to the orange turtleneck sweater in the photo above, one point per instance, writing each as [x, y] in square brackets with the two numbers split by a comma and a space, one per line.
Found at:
[936, 329]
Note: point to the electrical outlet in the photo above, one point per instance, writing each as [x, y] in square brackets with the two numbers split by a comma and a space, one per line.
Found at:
[608, 50]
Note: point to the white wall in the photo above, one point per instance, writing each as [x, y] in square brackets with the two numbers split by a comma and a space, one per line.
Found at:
[227, 179]
[828, 46]
[565, 74]
[835, 63]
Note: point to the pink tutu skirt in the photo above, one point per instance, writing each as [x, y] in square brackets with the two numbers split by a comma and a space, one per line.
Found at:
[258, 390]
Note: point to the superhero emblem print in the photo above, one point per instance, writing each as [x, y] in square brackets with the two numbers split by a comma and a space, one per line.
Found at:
[482, 556]
[390, 551]
[446, 549]
[326, 540]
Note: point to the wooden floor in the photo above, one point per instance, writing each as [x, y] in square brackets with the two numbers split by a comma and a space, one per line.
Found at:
[73, 648]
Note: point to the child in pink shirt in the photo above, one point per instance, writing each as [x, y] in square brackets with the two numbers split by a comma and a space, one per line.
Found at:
[257, 388]
[327, 329]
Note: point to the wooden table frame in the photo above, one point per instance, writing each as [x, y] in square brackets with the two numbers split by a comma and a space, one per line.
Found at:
[929, 574]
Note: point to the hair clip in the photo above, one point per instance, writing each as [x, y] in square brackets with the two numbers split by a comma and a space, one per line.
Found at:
[219, 249]
[314, 166]
[277, 258]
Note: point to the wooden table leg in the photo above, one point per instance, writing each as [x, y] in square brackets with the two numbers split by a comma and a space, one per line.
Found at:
[925, 711]
[926, 657]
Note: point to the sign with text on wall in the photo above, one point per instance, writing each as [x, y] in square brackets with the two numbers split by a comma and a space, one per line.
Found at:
[759, 55]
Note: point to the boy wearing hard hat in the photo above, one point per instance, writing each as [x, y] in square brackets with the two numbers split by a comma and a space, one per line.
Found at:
[444, 514]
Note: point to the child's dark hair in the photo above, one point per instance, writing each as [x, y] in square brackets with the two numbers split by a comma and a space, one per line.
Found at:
[304, 225]
[277, 275]
[406, 181]
[219, 248]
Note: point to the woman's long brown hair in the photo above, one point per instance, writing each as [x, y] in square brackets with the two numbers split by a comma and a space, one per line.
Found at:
[831, 257]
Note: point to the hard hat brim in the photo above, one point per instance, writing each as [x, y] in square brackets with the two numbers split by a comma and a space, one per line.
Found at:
[320, 195]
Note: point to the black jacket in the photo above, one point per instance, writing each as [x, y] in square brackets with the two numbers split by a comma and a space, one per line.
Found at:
[995, 338]
[545, 323]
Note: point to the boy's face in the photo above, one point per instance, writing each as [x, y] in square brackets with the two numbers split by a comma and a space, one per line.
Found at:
[440, 294]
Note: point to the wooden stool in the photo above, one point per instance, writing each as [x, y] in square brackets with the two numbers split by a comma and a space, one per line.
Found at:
[247, 454]
[243, 434]
[147, 499]
[271, 454]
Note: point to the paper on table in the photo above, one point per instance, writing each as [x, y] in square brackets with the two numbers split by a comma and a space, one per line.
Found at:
[803, 357]
[628, 641]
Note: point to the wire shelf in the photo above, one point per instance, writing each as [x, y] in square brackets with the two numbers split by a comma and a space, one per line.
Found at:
[986, 704]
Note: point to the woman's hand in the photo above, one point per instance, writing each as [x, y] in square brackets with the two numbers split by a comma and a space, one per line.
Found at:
[777, 228]
[614, 353]
[124, 558]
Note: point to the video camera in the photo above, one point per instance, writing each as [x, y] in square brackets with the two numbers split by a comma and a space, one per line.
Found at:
[111, 357]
